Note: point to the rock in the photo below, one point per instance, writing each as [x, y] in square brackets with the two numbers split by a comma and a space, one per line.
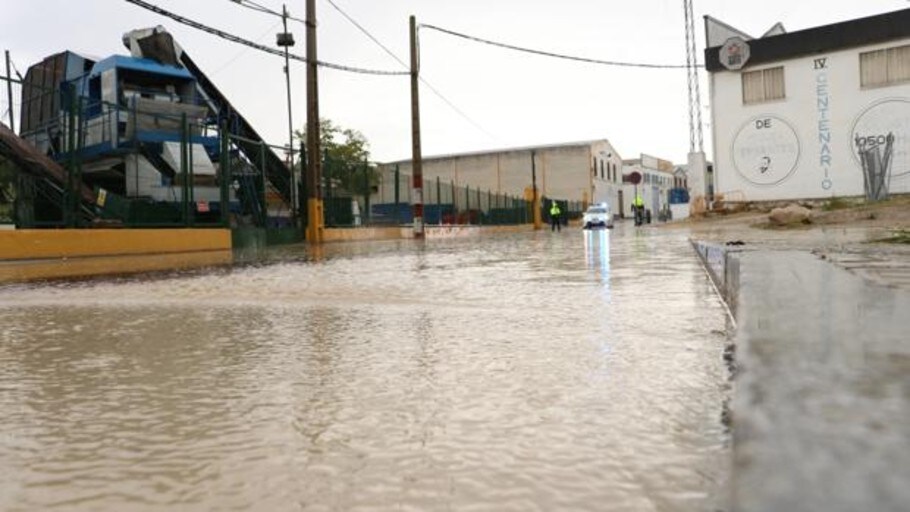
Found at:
[790, 215]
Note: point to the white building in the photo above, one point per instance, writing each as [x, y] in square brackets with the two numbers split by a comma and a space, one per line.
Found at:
[657, 178]
[797, 115]
[583, 172]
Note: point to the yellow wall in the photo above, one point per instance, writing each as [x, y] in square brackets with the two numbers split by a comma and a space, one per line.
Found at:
[20, 271]
[34, 244]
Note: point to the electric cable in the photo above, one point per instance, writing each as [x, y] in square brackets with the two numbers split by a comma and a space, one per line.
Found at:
[236, 39]
[244, 51]
[249, 4]
[367, 33]
[407, 66]
[551, 54]
[16, 70]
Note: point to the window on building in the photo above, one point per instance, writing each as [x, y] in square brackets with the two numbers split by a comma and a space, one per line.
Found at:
[601, 169]
[888, 66]
[763, 85]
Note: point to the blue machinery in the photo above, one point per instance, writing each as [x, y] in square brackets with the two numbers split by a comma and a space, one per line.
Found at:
[153, 138]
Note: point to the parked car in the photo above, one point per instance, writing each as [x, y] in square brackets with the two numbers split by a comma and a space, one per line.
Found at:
[598, 216]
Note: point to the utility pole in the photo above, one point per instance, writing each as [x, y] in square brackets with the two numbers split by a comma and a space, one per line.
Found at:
[535, 206]
[9, 93]
[315, 220]
[416, 158]
[286, 40]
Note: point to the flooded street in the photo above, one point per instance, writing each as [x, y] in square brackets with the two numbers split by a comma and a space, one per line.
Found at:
[530, 371]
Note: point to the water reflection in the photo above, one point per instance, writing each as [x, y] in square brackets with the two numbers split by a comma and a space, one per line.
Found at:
[597, 252]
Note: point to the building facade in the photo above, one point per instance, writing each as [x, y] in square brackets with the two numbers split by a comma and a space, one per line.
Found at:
[657, 179]
[817, 113]
[585, 172]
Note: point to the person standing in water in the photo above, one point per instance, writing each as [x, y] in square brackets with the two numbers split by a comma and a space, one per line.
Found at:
[555, 212]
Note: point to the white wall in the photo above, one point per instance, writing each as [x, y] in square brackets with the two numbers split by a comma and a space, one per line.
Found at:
[564, 172]
[809, 136]
[653, 191]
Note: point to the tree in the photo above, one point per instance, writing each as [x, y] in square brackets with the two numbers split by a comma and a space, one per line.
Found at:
[7, 189]
[346, 157]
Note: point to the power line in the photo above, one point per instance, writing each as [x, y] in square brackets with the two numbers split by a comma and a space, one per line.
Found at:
[243, 51]
[266, 49]
[16, 70]
[367, 33]
[249, 4]
[555, 55]
[407, 66]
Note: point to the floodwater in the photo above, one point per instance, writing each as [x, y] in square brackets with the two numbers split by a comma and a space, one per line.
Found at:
[531, 371]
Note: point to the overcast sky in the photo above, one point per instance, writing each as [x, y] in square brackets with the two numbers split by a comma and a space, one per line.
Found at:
[510, 99]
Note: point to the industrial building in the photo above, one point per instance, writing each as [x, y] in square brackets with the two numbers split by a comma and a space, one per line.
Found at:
[141, 140]
[656, 179]
[817, 113]
[580, 172]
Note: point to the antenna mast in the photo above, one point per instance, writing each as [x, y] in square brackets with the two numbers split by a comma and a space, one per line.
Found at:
[696, 139]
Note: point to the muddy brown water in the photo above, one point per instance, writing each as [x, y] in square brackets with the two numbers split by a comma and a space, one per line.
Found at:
[535, 371]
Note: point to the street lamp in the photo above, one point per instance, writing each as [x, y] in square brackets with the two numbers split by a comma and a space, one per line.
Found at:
[285, 40]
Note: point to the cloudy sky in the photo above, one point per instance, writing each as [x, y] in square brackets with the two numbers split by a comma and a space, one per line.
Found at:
[503, 99]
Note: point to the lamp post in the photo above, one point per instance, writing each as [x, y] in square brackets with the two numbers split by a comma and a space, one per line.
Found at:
[535, 206]
[285, 40]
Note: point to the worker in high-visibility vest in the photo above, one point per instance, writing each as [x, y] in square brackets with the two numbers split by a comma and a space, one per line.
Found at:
[555, 212]
[638, 209]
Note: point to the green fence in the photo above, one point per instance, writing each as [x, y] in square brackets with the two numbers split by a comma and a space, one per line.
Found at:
[173, 166]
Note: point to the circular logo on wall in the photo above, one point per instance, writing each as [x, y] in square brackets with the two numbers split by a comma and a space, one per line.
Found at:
[765, 150]
[883, 129]
[734, 53]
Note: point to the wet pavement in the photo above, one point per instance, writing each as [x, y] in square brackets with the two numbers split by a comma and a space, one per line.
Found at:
[822, 408]
[822, 397]
[855, 248]
[533, 371]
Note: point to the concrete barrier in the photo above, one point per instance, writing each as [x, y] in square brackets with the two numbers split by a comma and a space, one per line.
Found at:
[39, 270]
[36, 244]
[723, 266]
[35, 254]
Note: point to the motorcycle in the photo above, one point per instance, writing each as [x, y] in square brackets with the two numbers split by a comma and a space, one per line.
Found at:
[639, 215]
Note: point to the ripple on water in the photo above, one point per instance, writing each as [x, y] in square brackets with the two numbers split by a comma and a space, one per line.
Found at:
[521, 372]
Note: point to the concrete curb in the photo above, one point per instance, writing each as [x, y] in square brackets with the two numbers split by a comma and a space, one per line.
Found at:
[821, 402]
[722, 265]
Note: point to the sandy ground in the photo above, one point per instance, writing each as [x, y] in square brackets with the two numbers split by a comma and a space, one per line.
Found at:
[871, 240]
[887, 217]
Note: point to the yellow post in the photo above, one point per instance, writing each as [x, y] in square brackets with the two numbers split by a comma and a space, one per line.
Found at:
[315, 229]
[535, 201]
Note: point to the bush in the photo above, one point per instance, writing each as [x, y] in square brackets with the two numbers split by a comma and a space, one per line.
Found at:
[836, 203]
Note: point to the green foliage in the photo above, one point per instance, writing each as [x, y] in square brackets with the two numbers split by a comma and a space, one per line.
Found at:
[346, 157]
[836, 203]
[898, 236]
[7, 189]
